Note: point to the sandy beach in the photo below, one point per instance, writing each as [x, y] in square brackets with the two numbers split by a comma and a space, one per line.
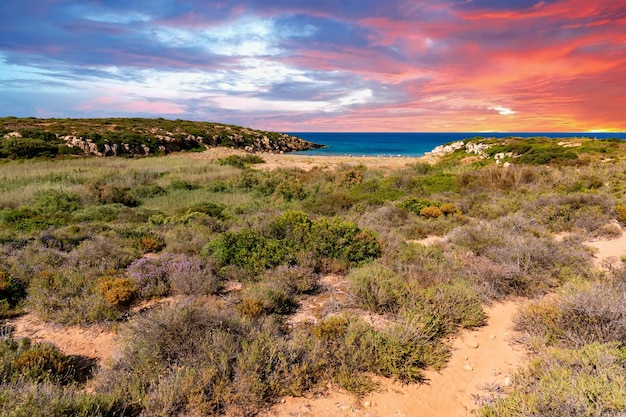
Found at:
[307, 162]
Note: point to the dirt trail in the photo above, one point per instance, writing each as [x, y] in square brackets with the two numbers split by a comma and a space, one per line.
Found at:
[479, 358]
[608, 250]
[72, 340]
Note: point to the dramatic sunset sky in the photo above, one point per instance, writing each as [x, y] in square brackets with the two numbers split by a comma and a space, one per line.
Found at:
[321, 65]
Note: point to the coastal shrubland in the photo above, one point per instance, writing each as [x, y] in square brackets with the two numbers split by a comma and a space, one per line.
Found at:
[202, 265]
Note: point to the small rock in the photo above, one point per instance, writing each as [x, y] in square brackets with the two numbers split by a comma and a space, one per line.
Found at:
[367, 404]
[468, 367]
[507, 381]
[492, 336]
[472, 344]
[283, 401]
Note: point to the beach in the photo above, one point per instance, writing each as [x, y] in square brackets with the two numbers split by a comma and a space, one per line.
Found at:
[305, 162]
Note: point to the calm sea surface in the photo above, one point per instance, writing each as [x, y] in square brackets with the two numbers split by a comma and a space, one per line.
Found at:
[410, 144]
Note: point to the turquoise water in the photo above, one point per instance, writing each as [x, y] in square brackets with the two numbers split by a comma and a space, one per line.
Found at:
[410, 144]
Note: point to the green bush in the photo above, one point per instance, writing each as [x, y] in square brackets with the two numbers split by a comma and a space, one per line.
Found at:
[377, 288]
[345, 241]
[12, 292]
[247, 249]
[238, 161]
[27, 148]
[453, 305]
[23, 360]
[209, 208]
[435, 183]
[266, 299]
[52, 201]
[548, 155]
[416, 205]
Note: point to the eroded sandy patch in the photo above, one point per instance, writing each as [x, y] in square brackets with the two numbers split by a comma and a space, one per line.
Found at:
[72, 340]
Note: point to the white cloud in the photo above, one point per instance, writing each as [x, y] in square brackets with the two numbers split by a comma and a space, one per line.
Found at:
[503, 110]
[243, 37]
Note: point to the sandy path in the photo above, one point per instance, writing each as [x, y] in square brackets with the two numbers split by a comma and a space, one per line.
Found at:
[72, 340]
[612, 249]
[479, 358]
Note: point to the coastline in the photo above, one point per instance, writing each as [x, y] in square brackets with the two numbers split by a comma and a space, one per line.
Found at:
[275, 161]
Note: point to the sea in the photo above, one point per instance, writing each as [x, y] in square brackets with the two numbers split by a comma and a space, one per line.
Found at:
[413, 144]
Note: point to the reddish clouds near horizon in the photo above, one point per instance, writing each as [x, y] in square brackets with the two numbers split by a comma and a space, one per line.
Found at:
[368, 65]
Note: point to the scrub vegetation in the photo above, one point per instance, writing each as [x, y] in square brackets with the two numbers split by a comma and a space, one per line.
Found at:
[236, 251]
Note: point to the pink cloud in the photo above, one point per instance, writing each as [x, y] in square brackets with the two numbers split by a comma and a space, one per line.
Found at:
[115, 104]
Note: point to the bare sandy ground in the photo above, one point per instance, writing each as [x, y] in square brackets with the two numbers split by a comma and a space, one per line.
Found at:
[609, 250]
[72, 340]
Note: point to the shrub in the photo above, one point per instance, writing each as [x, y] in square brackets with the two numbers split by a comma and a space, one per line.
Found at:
[12, 292]
[416, 205]
[430, 212]
[194, 359]
[585, 211]
[178, 273]
[377, 288]
[294, 280]
[52, 201]
[434, 183]
[553, 154]
[592, 315]
[44, 399]
[239, 161]
[563, 382]
[26, 148]
[453, 305]
[111, 194]
[247, 249]
[193, 275]
[251, 307]
[449, 209]
[150, 277]
[208, 208]
[118, 291]
[531, 262]
[32, 362]
[292, 227]
[620, 209]
[101, 254]
[345, 241]
[69, 297]
[266, 298]
[151, 243]
[42, 361]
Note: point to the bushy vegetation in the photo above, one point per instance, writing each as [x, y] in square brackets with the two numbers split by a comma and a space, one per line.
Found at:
[202, 265]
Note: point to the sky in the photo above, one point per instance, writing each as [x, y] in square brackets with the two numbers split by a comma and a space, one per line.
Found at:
[321, 65]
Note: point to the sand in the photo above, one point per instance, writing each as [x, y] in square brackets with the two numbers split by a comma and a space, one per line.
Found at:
[307, 162]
